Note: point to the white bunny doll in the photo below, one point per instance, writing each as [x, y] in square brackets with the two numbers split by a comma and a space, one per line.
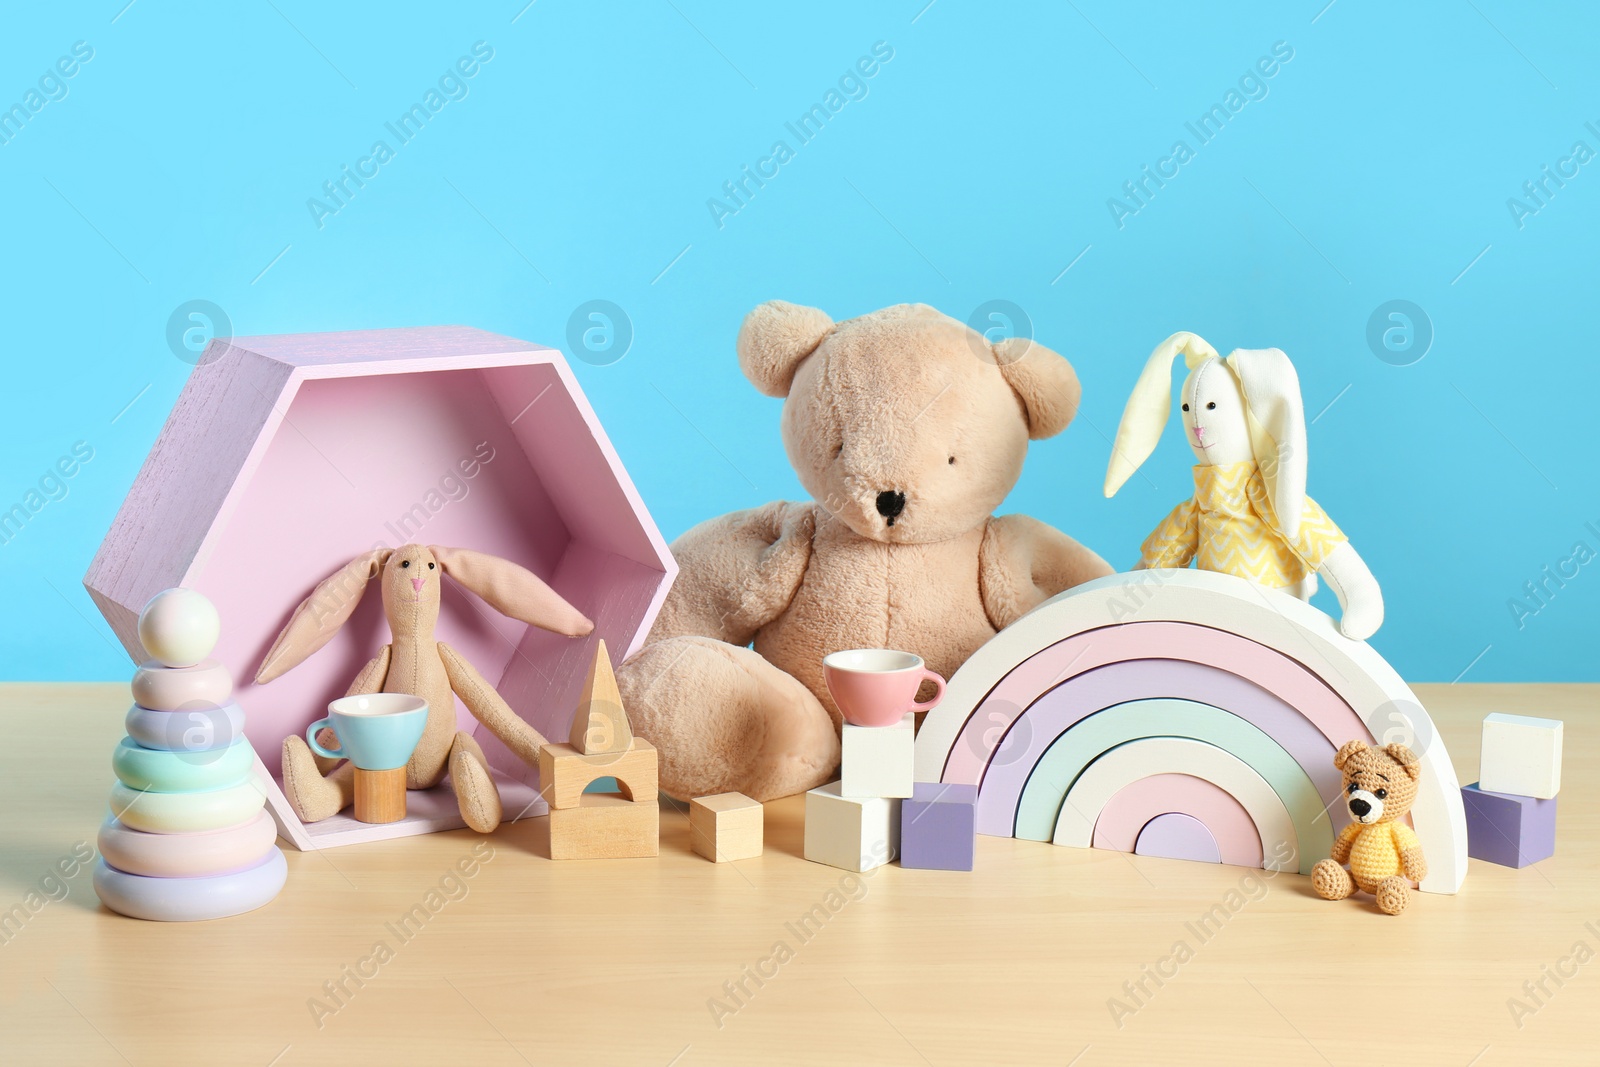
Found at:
[1249, 515]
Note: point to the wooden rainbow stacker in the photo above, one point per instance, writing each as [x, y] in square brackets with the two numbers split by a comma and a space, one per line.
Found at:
[602, 745]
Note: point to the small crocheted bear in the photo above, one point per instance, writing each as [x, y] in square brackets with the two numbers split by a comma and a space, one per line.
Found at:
[1384, 854]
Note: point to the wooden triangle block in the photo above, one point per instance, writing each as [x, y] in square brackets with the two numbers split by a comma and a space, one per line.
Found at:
[601, 724]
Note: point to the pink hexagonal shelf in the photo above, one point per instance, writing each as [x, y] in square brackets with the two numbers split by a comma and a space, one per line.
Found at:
[287, 456]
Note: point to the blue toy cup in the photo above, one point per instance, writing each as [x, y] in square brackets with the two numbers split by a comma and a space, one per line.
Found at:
[376, 731]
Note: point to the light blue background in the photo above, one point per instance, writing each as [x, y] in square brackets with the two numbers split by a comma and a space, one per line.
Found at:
[978, 167]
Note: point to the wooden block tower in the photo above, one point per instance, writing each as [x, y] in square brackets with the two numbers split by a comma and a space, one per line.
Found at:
[601, 825]
[1511, 810]
[854, 822]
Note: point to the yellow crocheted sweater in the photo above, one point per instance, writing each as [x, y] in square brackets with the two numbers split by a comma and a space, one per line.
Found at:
[1375, 850]
[1229, 525]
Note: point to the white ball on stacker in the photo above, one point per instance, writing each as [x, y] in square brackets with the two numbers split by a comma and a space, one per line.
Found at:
[179, 627]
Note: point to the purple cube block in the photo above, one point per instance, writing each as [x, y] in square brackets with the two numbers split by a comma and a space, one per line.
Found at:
[938, 826]
[1507, 829]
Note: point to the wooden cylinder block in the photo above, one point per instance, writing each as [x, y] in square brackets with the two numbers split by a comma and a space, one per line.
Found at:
[380, 795]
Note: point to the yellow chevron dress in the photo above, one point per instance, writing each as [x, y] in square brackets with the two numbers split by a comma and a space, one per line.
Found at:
[1230, 526]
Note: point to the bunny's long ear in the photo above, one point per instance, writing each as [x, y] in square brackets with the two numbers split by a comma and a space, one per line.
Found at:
[1277, 419]
[321, 614]
[1149, 405]
[513, 591]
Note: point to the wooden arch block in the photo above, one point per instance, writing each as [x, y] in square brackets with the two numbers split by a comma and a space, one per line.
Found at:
[564, 773]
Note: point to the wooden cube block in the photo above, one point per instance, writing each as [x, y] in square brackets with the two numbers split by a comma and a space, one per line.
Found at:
[1508, 829]
[564, 773]
[1521, 755]
[727, 826]
[605, 826]
[855, 833]
[878, 761]
[938, 827]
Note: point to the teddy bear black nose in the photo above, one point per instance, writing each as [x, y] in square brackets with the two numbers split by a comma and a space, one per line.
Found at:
[891, 504]
[1359, 808]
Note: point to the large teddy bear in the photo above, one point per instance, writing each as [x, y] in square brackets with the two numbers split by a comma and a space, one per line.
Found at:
[909, 429]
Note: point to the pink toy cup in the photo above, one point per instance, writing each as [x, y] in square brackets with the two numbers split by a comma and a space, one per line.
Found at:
[877, 686]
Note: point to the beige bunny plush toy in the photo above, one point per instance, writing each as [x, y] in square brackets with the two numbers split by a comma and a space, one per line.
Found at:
[1249, 515]
[415, 663]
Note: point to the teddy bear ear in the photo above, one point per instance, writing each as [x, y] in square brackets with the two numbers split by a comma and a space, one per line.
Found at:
[775, 337]
[1044, 381]
[1346, 752]
[1406, 758]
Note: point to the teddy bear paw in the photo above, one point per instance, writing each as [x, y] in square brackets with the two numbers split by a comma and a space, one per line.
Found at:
[1393, 895]
[723, 719]
[1331, 880]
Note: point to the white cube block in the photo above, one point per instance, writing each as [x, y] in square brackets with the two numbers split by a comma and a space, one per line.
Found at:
[878, 761]
[1521, 755]
[855, 833]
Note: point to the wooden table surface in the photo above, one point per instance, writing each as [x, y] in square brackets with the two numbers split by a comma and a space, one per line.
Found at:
[680, 961]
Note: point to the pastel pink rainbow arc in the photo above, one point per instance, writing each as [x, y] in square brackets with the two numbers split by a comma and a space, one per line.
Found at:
[1124, 819]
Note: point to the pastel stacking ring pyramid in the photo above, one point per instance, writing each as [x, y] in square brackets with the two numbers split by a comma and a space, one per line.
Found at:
[189, 836]
[1182, 692]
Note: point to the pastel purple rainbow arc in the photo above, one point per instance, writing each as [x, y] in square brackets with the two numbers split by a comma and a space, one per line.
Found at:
[1126, 818]
[1176, 836]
